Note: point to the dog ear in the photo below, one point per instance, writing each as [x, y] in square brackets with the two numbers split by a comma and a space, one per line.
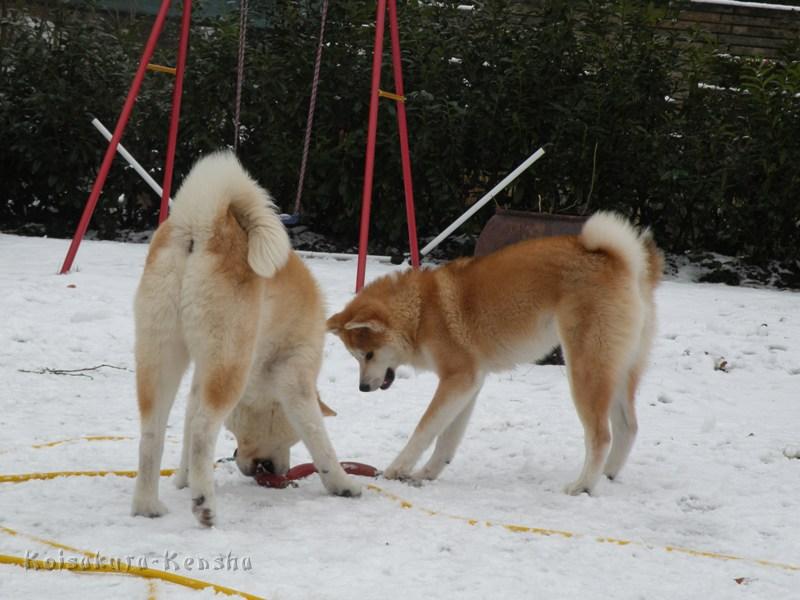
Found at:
[327, 411]
[334, 324]
[373, 324]
[368, 316]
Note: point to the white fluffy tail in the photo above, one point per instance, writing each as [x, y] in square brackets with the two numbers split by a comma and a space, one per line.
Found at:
[218, 182]
[612, 233]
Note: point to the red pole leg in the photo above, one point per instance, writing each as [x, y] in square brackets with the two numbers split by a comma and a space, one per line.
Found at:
[91, 203]
[177, 94]
[369, 167]
[403, 130]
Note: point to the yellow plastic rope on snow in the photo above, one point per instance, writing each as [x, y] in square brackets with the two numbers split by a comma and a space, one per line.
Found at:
[22, 477]
[45, 542]
[569, 534]
[84, 438]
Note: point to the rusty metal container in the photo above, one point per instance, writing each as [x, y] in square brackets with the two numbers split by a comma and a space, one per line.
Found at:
[511, 226]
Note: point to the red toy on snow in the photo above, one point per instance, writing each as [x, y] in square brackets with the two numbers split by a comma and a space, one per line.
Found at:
[304, 470]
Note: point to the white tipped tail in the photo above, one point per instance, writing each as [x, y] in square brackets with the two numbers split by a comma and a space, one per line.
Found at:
[218, 182]
[612, 233]
[267, 240]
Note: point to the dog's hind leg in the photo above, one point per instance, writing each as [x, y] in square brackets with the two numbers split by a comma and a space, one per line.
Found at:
[592, 403]
[623, 411]
[452, 399]
[181, 479]
[157, 380]
[219, 388]
[624, 425]
[447, 444]
[161, 359]
[593, 387]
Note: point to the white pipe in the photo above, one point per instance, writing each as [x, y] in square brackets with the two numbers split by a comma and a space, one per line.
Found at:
[479, 204]
[340, 255]
[131, 161]
[751, 4]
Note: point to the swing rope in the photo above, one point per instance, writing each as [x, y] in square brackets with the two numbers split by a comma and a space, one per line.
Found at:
[294, 218]
[239, 72]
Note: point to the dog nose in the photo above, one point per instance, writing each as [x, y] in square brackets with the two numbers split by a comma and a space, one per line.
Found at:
[363, 387]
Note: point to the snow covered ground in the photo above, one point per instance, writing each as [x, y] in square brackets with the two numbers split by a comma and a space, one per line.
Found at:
[711, 470]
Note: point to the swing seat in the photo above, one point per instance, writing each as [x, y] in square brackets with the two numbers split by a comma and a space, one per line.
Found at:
[290, 220]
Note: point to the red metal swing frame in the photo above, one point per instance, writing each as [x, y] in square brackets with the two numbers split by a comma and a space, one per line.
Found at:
[124, 116]
[383, 6]
[369, 168]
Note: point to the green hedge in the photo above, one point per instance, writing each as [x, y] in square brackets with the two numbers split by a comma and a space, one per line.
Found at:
[614, 99]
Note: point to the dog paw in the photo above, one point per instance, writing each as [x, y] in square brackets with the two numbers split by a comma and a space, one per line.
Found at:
[203, 511]
[426, 473]
[577, 488]
[394, 471]
[348, 488]
[413, 481]
[148, 508]
[181, 478]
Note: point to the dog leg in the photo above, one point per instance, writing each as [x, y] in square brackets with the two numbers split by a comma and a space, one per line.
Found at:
[282, 460]
[623, 427]
[451, 399]
[298, 396]
[158, 375]
[181, 479]
[446, 444]
[219, 390]
[204, 432]
[161, 359]
[592, 393]
[623, 414]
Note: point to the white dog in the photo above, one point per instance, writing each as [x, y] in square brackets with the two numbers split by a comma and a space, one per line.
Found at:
[221, 287]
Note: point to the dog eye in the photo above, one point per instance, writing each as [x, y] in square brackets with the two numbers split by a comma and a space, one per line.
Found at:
[369, 355]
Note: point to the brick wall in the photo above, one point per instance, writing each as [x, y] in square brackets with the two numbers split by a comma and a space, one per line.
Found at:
[742, 30]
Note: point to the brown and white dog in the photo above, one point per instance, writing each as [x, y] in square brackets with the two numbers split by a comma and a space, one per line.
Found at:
[222, 288]
[592, 292]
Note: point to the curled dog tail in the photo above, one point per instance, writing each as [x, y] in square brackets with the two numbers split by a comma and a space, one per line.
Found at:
[218, 183]
[655, 258]
[612, 233]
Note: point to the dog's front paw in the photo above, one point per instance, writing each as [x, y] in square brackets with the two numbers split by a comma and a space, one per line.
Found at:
[347, 487]
[150, 508]
[203, 511]
[577, 487]
[397, 471]
[427, 473]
